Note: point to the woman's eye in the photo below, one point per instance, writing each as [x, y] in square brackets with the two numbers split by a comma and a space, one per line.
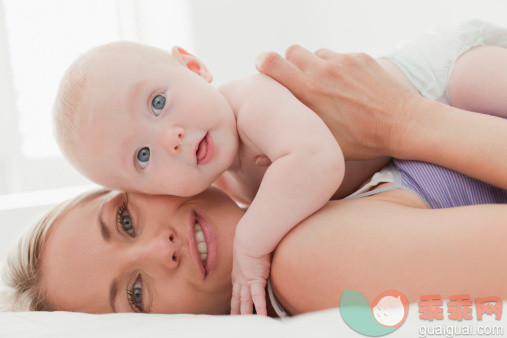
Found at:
[135, 295]
[124, 220]
[143, 156]
[157, 104]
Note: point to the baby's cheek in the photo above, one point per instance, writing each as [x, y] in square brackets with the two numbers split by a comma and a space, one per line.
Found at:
[190, 187]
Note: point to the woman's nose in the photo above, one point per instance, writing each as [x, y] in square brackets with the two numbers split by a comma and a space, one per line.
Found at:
[161, 250]
[172, 139]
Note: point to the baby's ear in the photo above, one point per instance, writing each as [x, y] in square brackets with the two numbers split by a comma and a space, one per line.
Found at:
[192, 62]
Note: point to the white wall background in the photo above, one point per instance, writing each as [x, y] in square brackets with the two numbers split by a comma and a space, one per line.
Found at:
[37, 45]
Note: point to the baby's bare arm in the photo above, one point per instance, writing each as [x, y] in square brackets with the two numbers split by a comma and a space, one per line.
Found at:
[307, 163]
[405, 248]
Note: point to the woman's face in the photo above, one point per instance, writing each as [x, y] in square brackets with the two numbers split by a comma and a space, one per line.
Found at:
[129, 252]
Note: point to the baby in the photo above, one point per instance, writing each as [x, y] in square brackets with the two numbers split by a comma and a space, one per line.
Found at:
[136, 118]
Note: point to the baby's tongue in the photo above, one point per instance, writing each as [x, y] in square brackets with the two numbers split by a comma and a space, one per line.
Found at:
[201, 151]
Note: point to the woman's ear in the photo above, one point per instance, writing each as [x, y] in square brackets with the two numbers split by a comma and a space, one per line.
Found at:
[192, 62]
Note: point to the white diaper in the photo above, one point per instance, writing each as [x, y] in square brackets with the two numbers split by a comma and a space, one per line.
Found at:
[382, 176]
[428, 59]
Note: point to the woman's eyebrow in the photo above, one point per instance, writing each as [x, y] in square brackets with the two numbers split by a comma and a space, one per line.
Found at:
[113, 291]
[106, 235]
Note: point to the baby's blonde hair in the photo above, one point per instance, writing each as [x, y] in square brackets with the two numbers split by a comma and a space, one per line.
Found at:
[68, 108]
[22, 270]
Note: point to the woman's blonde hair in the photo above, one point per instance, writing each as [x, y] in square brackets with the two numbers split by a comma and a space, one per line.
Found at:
[21, 272]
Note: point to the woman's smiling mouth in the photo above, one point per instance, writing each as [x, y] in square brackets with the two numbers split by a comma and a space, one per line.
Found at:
[205, 150]
[202, 243]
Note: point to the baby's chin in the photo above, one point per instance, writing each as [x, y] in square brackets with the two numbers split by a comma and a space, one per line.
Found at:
[192, 188]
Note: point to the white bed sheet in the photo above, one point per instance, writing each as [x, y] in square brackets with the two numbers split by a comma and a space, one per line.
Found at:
[68, 324]
[327, 323]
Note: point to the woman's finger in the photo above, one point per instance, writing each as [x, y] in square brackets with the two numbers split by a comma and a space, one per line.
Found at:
[259, 299]
[235, 302]
[325, 53]
[341, 61]
[275, 66]
[246, 300]
[300, 57]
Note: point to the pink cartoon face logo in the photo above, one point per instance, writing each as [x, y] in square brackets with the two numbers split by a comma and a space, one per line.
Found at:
[390, 308]
[384, 315]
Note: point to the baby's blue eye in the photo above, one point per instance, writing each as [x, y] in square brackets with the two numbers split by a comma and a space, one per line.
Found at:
[143, 156]
[158, 104]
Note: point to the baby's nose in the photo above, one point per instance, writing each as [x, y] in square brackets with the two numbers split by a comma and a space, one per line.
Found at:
[172, 139]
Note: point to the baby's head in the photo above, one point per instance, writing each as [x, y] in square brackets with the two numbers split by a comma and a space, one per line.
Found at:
[134, 117]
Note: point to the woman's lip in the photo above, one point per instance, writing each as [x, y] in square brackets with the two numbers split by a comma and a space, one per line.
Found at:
[210, 149]
[193, 244]
[211, 243]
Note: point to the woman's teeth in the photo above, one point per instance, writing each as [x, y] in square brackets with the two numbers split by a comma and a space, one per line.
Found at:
[201, 243]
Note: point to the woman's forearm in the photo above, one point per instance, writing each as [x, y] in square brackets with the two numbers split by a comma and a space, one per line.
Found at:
[471, 143]
[373, 111]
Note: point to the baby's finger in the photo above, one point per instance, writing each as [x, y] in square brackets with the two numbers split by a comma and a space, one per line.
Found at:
[259, 299]
[246, 300]
[235, 302]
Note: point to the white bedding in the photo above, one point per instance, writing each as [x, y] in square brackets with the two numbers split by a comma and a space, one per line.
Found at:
[328, 323]
[68, 324]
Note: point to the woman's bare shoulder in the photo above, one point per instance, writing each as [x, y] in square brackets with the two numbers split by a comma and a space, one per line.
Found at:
[308, 256]
[370, 245]
[305, 251]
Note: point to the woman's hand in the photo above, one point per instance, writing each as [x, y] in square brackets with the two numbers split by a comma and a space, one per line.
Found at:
[371, 114]
[366, 109]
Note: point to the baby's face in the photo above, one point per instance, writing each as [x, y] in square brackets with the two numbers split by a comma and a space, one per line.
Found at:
[154, 126]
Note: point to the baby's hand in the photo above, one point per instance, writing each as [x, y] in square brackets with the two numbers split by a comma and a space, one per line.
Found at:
[249, 276]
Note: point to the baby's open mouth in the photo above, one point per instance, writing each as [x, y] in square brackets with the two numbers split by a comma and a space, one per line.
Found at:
[205, 149]
[202, 149]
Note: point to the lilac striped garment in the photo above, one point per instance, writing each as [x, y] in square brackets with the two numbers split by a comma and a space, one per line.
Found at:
[440, 187]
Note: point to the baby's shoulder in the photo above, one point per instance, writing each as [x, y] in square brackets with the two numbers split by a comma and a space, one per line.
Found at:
[253, 99]
[251, 91]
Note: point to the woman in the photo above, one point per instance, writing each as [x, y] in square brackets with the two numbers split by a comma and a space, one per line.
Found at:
[77, 248]
[90, 263]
